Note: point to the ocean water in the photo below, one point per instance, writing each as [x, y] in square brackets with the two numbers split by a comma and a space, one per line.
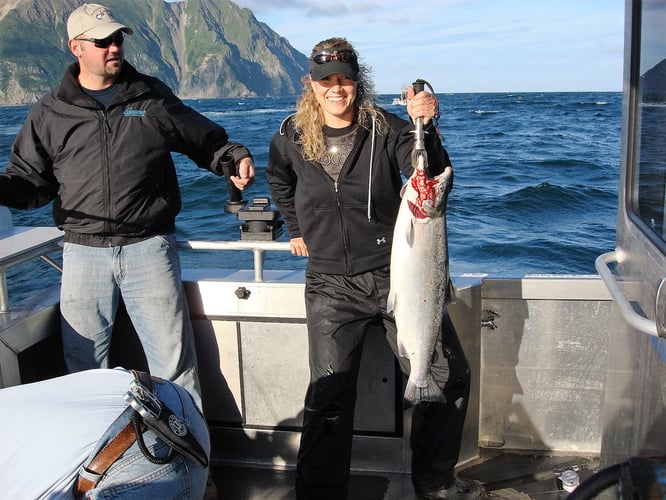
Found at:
[535, 190]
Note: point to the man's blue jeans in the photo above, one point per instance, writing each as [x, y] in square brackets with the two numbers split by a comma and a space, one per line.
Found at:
[147, 275]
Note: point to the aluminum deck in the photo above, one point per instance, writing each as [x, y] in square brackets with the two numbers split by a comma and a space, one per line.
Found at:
[506, 475]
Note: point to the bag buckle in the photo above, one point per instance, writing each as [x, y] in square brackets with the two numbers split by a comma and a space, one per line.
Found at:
[142, 400]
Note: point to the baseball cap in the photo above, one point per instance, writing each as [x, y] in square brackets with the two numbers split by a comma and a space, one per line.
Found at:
[94, 21]
[330, 61]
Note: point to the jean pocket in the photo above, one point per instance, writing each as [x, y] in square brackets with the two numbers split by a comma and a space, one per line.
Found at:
[167, 240]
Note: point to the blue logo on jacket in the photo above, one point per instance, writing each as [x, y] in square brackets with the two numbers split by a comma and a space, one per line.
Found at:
[134, 112]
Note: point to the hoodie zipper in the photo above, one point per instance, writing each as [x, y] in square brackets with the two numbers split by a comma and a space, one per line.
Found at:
[343, 227]
[336, 188]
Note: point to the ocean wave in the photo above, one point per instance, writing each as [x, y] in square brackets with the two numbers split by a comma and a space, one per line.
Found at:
[534, 205]
[536, 255]
[498, 248]
[213, 115]
[547, 194]
[9, 130]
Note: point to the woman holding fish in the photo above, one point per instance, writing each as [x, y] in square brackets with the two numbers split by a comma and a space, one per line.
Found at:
[335, 174]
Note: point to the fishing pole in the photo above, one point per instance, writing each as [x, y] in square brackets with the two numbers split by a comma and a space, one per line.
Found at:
[419, 152]
[235, 202]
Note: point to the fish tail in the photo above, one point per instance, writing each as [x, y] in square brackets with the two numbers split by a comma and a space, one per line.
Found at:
[430, 392]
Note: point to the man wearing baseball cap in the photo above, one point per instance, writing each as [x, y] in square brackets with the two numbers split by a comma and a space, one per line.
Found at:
[99, 146]
[92, 20]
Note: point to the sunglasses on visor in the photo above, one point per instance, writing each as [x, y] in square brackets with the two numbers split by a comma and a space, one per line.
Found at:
[104, 43]
[345, 56]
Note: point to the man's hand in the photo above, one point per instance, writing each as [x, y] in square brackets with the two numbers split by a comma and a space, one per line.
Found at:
[245, 173]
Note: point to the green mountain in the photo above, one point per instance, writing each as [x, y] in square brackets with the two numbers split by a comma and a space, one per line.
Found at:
[200, 48]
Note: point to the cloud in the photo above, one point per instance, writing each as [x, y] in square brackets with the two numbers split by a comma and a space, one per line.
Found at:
[471, 45]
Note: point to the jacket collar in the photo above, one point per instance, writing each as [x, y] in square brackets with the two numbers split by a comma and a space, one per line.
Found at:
[71, 92]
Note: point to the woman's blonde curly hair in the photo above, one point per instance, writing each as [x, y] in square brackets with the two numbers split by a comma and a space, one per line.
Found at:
[309, 118]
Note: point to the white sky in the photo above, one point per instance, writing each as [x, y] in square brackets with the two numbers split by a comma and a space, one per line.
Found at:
[465, 45]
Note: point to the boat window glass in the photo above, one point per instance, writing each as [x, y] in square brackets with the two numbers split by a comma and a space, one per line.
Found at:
[649, 169]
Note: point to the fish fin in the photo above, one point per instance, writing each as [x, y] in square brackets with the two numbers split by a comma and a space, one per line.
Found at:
[403, 189]
[431, 392]
[390, 302]
[403, 352]
[409, 233]
[446, 174]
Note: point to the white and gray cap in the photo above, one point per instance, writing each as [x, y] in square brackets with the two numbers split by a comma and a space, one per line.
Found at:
[93, 21]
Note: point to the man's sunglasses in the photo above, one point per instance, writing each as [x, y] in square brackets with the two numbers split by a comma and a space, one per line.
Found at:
[104, 43]
[346, 56]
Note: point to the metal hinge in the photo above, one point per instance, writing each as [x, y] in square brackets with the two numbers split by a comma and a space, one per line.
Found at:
[488, 319]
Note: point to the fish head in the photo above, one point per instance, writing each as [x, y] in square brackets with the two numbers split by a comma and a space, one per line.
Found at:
[427, 197]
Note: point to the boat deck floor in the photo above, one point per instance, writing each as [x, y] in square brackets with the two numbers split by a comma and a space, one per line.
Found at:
[505, 475]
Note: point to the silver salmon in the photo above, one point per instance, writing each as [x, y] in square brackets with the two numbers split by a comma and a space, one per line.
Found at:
[420, 276]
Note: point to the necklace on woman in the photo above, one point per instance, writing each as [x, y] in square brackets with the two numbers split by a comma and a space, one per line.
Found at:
[339, 143]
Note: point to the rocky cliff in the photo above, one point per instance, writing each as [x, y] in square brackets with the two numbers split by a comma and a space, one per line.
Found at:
[200, 48]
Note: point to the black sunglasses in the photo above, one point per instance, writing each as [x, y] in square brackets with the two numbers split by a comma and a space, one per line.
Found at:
[104, 43]
[346, 56]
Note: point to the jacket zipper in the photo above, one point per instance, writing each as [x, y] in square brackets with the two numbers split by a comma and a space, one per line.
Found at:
[343, 227]
[336, 188]
[105, 132]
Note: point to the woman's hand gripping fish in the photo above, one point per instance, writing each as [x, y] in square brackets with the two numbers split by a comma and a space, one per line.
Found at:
[420, 276]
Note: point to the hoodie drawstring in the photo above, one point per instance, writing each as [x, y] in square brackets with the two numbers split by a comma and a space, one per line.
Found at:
[372, 158]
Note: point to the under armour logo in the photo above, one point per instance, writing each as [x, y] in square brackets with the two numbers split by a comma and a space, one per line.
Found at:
[381, 241]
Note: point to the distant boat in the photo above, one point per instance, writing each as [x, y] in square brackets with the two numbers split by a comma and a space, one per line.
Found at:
[402, 100]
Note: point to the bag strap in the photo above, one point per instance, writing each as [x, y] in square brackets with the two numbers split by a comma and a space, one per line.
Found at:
[89, 476]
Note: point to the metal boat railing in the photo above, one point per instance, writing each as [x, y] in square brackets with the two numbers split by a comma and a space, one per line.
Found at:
[258, 248]
[41, 253]
[635, 320]
[21, 245]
